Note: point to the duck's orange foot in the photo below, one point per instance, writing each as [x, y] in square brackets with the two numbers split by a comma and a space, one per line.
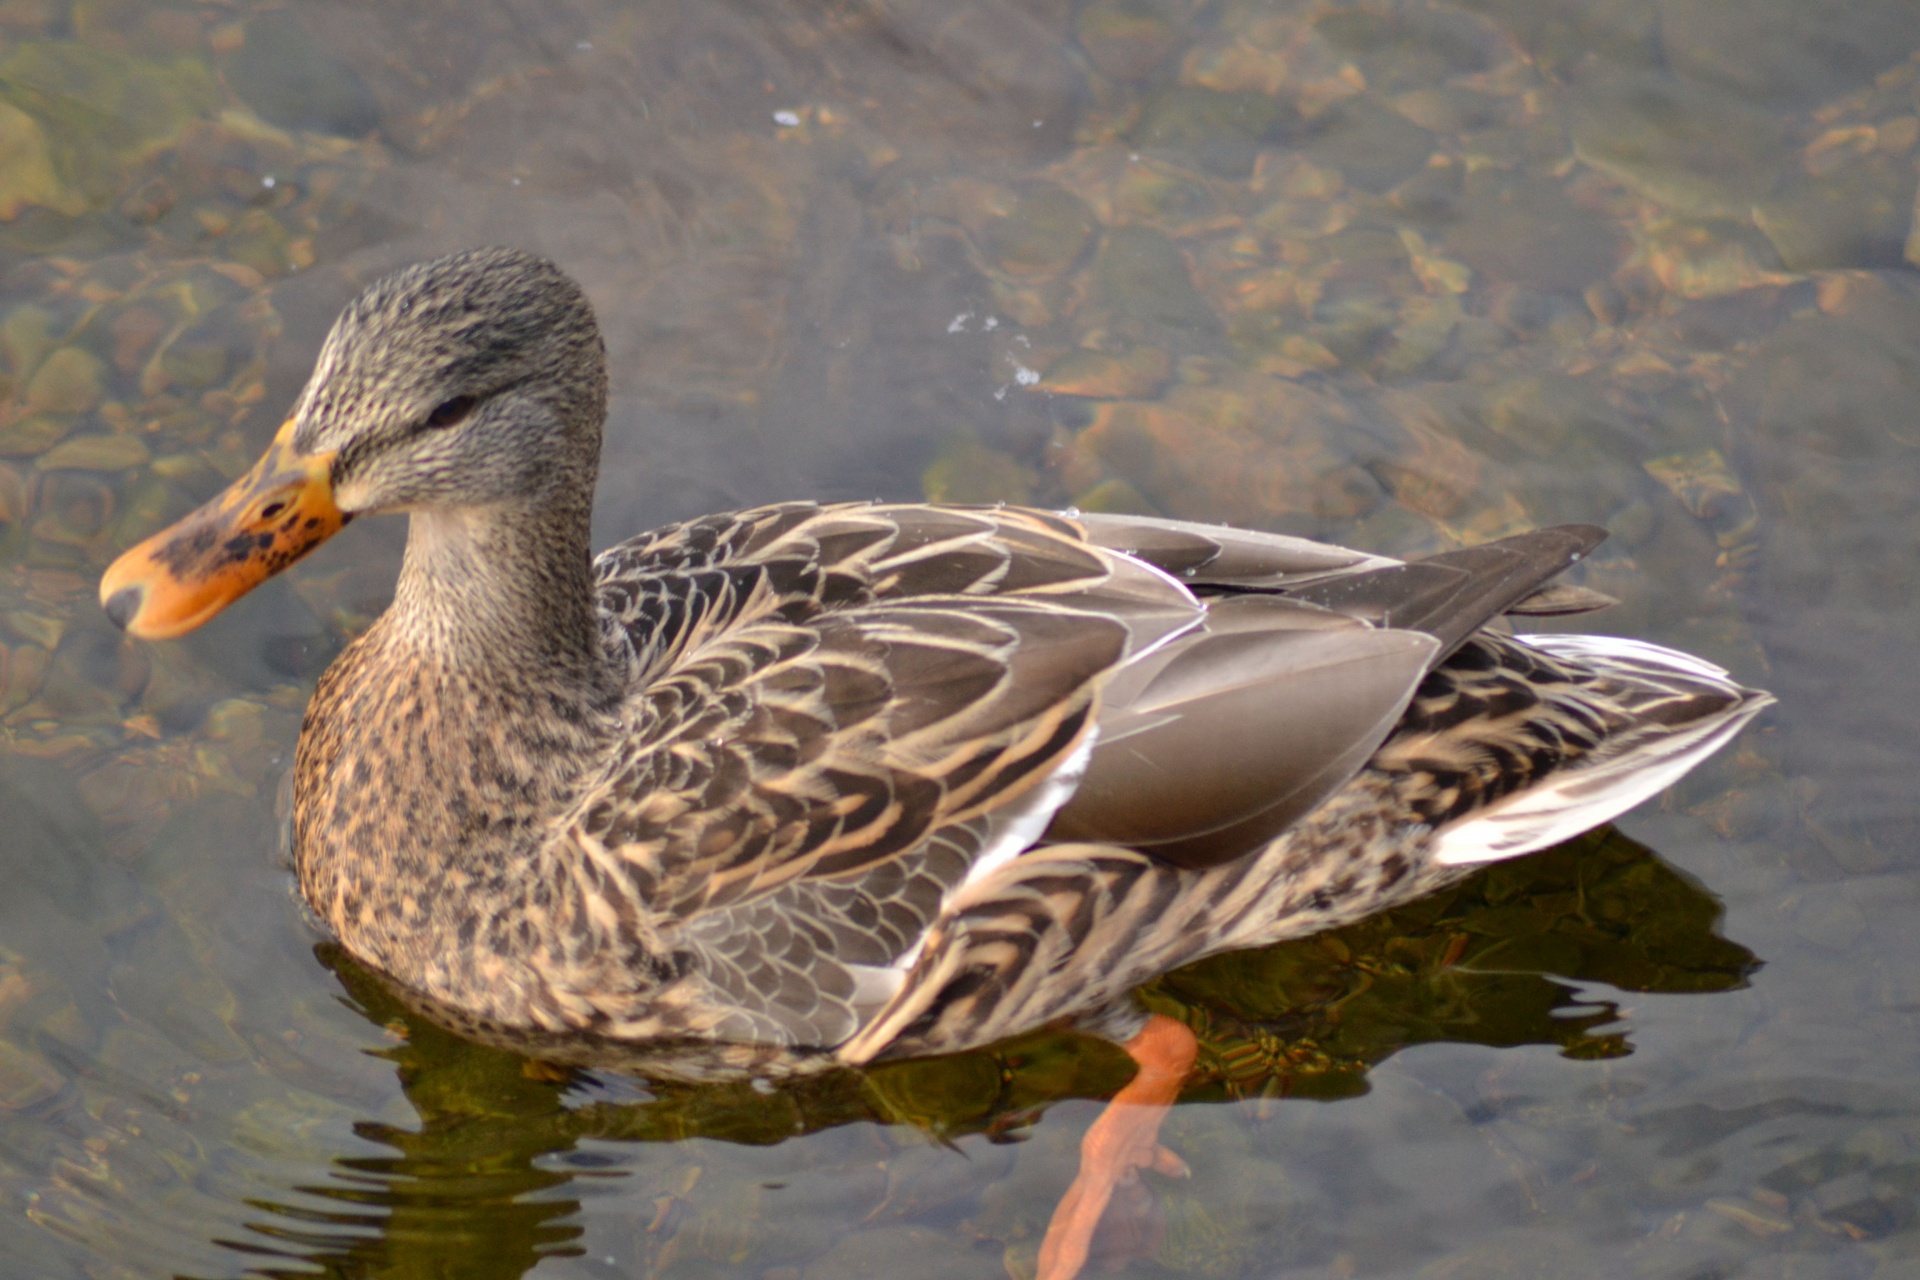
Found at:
[1123, 1141]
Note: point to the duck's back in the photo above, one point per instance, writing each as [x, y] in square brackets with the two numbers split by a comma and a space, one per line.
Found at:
[850, 726]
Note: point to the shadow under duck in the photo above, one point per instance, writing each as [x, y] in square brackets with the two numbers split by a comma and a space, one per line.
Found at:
[819, 784]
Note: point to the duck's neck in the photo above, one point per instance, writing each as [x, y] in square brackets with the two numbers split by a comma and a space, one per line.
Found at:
[443, 747]
[501, 591]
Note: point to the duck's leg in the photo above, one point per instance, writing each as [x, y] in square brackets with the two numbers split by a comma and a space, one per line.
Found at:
[1123, 1141]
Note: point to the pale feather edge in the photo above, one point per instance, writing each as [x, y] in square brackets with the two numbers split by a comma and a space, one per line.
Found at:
[1014, 830]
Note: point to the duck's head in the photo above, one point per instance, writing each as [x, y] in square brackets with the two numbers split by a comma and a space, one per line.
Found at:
[476, 381]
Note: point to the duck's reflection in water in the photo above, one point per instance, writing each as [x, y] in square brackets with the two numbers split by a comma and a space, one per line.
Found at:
[486, 1183]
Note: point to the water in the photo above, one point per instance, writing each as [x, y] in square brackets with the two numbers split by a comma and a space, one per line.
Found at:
[1400, 275]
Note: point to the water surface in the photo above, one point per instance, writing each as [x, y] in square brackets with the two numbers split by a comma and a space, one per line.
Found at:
[1402, 275]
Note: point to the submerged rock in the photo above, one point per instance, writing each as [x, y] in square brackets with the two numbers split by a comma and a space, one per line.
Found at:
[281, 73]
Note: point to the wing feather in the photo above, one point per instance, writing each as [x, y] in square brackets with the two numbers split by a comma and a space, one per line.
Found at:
[781, 777]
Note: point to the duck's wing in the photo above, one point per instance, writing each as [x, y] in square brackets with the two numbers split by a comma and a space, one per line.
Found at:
[838, 715]
[844, 715]
[1215, 744]
[1511, 745]
[778, 751]
[666, 592]
[794, 801]
[1309, 655]
[1448, 596]
[1452, 595]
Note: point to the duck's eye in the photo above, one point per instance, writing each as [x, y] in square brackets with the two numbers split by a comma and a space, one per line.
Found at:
[451, 411]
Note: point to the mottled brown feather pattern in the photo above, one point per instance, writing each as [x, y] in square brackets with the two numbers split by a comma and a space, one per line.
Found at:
[1500, 716]
[775, 782]
[786, 725]
[1494, 718]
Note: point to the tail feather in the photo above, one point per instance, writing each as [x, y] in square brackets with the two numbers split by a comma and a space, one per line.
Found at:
[1680, 709]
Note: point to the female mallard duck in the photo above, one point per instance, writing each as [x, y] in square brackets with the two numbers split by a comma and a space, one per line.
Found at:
[869, 780]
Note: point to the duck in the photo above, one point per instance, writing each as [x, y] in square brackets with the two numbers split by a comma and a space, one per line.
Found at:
[824, 784]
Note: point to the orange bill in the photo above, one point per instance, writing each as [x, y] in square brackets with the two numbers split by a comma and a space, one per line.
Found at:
[260, 524]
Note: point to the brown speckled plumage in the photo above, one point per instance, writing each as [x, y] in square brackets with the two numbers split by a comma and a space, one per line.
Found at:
[732, 782]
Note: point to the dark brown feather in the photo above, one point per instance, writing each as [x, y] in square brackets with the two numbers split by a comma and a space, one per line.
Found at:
[1455, 593]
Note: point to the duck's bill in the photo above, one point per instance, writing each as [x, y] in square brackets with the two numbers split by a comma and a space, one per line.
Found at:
[260, 524]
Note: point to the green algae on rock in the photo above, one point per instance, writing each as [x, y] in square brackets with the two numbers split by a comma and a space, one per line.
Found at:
[101, 112]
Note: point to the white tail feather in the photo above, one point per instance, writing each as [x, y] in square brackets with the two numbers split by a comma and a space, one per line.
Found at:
[1606, 785]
